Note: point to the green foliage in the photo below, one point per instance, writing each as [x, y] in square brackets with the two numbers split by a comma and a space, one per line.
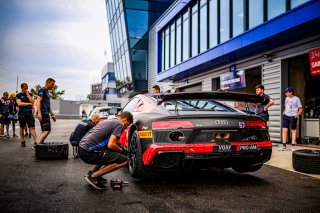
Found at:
[55, 94]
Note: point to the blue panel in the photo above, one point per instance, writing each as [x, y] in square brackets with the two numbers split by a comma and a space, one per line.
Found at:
[280, 24]
[253, 36]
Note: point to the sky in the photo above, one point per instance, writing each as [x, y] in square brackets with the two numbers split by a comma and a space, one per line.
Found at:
[67, 40]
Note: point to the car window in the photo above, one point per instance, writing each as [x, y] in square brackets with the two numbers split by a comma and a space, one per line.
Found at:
[139, 106]
[197, 105]
[131, 105]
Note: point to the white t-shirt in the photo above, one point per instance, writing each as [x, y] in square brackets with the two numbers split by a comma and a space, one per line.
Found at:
[292, 106]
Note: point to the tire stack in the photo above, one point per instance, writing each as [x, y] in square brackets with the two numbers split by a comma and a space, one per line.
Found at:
[52, 151]
[306, 161]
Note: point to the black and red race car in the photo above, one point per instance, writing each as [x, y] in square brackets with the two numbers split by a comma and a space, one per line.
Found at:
[192, 130]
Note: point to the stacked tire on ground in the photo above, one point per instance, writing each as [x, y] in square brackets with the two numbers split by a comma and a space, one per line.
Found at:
[306, 161]
[52, 151]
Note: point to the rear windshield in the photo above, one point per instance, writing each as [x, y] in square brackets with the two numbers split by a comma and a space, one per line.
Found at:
[197, 105]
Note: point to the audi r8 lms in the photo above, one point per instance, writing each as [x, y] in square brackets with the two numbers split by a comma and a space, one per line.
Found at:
[194, 130]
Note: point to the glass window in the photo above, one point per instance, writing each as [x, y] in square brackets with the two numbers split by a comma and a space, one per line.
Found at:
[275, 8]
[131, 105]
[295, 3]
[162, 50]
[237, 17]
[255, 13]
[224, 21]
[172, 44]
[185, 34]
[178, 39]
[167, 48]
[213, 23]
[194, 30]
[128, 65]
[203, 25]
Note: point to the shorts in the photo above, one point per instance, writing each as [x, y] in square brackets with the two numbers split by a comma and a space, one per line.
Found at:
[289, 122]
[45, 123]
[5, 119]
[104, 157]
[26, 118]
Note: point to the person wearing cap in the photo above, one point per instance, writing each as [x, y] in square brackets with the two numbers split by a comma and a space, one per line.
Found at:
[291, 113]
[4, 121]
[262, 109]
[13, 112]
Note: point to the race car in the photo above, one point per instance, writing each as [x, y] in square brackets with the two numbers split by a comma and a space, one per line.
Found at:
[179, 131]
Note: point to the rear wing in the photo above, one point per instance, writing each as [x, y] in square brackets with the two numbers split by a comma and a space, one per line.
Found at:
[219, 96]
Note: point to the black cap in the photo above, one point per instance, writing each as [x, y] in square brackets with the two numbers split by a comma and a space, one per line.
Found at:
[289, 89]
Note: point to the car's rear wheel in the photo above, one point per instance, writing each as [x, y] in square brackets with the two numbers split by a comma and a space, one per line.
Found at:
[136, 167]
[244, 169]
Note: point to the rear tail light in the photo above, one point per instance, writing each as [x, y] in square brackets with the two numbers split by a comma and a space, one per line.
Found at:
[256, 124]
[171, 124]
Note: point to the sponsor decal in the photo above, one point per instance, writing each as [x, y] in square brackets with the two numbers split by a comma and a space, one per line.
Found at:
[242, 125]
[233, 80]
[314, 57]
[145, 134]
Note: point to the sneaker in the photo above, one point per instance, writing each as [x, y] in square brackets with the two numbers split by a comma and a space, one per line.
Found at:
[34, 146]
[29, 135]
[93, 181]
[23, 144]
[8, 136]
[293, 148]
[100, 178]
[282, 148]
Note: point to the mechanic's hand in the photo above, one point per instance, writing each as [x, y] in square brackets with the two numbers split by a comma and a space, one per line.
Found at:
[53, 118]
[125, 151]
[40, 117]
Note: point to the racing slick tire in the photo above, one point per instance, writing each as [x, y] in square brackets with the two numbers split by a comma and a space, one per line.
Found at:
[136, 167]
[52, 151]
[244, 169]
[306, 161]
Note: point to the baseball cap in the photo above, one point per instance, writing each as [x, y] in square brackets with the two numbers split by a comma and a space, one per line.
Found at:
[289, 89]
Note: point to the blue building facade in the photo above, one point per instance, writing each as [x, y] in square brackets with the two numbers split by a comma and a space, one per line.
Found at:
[129, 22]
[196, 43]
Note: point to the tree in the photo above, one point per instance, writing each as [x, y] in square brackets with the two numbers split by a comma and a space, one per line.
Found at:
[54, 93]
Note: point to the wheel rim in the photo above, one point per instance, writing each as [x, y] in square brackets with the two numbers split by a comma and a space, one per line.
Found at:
[133, 156]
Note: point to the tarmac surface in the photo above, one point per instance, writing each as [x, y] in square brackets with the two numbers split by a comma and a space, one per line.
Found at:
[30, 185]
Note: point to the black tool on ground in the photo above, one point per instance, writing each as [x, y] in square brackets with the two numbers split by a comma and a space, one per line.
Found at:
[117, 184]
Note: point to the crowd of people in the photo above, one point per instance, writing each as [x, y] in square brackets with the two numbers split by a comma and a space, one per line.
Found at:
[21, 108]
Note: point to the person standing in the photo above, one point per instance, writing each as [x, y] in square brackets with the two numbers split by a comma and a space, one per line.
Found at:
[293, 109]
[5, 121]
[100, 147]
[262, 109]
[25, 116]
[13, 112]
[44, 109]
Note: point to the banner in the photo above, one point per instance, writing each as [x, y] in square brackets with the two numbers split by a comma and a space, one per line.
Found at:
[233, 80]
[314, 57]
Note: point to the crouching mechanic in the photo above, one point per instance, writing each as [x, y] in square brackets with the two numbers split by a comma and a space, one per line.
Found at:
[99, 147]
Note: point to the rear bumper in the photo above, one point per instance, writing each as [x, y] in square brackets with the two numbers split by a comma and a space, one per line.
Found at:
[181, 155]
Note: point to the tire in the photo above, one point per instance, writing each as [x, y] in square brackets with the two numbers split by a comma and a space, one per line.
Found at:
[244, 169]
[52, 151]
[136, 167]
[306, 161]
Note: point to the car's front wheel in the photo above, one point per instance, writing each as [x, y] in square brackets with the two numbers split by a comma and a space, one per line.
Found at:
[136, 167]
[244, 169]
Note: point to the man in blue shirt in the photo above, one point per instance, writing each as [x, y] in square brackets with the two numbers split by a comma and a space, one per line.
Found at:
[44, 109]
[25, 116]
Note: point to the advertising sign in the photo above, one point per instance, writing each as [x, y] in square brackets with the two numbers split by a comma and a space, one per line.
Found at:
[314, 57]
[233, 80]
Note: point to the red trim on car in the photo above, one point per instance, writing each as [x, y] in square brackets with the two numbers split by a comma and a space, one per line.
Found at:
[153, 149]
[171, 124]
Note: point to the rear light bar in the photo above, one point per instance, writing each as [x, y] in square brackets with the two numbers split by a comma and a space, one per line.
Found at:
[171, 124]
[256, 124]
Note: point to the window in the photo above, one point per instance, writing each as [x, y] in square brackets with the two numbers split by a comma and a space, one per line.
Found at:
[179, 40]
[167, 48]
[295, 3]
[255, 13]
[213, 23]
[172, 44]
[237, 17]
[162, 50]
[203, 26]
[275, 8]
[224, 21]
[194, 30]
[186, 46]
[131, 105]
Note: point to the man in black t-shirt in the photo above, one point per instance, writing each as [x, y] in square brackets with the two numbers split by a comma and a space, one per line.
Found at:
[262, 109]
[25, 116]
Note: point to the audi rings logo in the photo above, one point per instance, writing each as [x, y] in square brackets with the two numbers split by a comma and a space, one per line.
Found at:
[221, 122]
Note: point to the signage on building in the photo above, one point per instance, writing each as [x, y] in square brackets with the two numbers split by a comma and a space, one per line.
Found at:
[233, 68]
[314, 57]
[233, 80]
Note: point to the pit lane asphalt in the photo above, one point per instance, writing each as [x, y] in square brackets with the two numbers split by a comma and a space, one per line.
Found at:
[29, 185]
